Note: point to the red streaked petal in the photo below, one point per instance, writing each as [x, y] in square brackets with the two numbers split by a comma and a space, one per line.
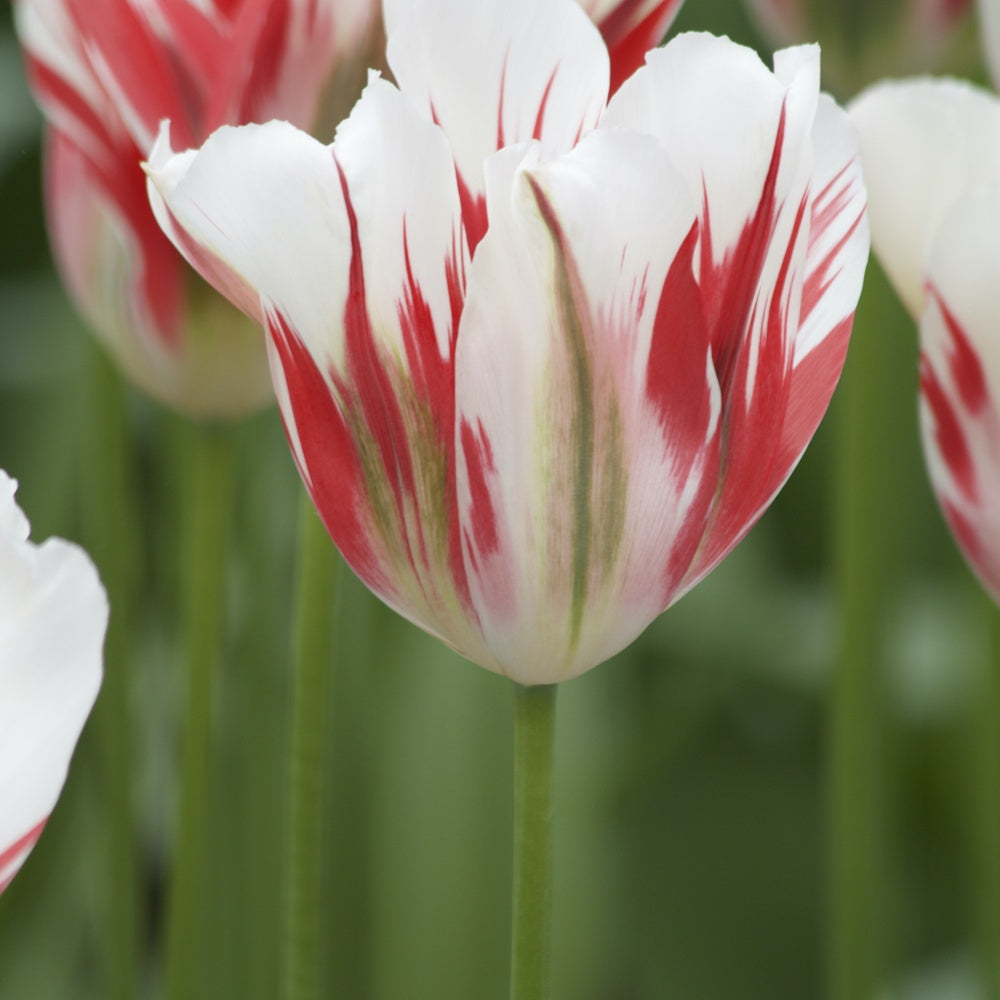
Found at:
[834, 271]
[960, 379]
[752, 169]
[357, 254]
[588, 407]
[494, 76]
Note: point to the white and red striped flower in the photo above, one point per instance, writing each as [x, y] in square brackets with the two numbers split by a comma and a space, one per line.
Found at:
[931, 152]
[106, 72]
[542, 359]
[53, 613]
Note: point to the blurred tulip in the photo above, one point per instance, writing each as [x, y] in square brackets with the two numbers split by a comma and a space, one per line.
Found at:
[630, 28]
[106, 72]
[931, 152]
[53, 613]
[864, 41]
[542, 361]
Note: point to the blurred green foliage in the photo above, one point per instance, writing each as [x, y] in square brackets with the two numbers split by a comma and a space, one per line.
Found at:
[691, 802]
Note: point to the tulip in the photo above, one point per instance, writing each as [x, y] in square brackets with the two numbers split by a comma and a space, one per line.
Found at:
[542, 359]
[53, 614]
[931, 151]
[105, 73]
[864, 41]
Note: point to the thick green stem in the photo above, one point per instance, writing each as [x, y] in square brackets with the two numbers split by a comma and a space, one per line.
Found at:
[312, 684]
[857, 751]
[531, 945]
[207, 479]
[113, 537]
[986, 772]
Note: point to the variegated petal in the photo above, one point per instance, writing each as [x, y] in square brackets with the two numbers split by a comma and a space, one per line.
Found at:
[588, 406]
[358, 255]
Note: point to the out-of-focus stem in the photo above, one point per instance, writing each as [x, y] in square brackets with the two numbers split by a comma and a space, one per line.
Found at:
[858, 857]
[986, 773]
[111, 525]
[208, 492]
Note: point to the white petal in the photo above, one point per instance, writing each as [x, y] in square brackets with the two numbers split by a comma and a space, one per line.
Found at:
[258, 210]
[924, 144]
[574, 486]
[53, 614]
[498, 74]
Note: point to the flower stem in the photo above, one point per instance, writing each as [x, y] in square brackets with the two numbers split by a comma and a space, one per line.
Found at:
[312, 683]
[986, 730]
[857, 741]
[208, 479]
[534, 737]
[112, 538]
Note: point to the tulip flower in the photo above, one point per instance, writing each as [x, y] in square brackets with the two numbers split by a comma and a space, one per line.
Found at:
[53, 613]
[105, 73]
[864, 41]
[931, 152]
[543, 359]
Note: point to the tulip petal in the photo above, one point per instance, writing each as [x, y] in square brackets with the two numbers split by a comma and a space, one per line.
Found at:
[834, 271]
[743, 138]
[924, 144]
[358, 256]
[960, 379]
[53, 613]
[497, 75]
[588, 407]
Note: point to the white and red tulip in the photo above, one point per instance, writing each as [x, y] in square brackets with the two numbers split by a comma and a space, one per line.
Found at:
[106, 73]
[53, 614]
[931, 152]
[542, 359]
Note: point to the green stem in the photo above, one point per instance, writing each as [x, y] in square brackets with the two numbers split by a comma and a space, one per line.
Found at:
[534, 737]
[857, 759]
[312, 684]
[987, 807]
[112, 538]
[207, 478]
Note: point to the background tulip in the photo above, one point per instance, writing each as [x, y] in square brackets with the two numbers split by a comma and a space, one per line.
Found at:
[106, 72]
[542, 367]
[931, 151]
[53, 613]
